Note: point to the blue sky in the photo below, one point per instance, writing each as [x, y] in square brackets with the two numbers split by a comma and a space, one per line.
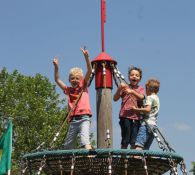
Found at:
[156, 35]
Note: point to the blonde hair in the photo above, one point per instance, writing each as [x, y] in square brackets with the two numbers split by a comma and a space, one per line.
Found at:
[153, 85]
[76, 70]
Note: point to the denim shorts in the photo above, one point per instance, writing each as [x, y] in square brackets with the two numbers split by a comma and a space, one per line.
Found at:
[79, 126]
[129, 130]
[144, 138]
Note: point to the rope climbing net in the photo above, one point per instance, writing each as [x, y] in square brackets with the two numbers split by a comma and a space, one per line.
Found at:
[99, 162]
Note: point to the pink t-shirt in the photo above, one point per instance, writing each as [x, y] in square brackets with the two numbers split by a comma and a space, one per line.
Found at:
[128, 101]
[83, 105]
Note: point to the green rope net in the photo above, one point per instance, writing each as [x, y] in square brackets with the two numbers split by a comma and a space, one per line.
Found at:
[99, 162]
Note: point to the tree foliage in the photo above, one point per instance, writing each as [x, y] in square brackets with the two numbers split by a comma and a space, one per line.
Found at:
[35, 107]
[193, 168]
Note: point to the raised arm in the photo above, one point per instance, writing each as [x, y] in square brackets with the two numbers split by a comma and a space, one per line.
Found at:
[88, 63]
[56, 74]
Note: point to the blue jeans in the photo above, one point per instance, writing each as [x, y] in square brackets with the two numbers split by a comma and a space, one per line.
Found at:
[129, 130]
[145, 137]
[78, 126]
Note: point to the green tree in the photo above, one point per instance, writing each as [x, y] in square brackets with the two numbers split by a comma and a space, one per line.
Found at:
[193, 168]
[36, 109]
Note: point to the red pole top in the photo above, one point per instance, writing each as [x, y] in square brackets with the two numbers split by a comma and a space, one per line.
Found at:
[103, 20]
[103, 76]
[104, 57]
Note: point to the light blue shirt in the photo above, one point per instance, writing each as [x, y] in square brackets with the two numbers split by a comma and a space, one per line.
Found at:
[154, 102]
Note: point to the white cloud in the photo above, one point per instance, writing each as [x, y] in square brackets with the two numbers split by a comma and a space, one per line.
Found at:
[182, 126]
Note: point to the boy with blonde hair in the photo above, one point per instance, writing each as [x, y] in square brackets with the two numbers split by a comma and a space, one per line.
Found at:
[78, 103]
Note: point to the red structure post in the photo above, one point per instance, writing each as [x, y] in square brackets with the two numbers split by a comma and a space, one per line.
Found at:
[103, 79]
[103, 84]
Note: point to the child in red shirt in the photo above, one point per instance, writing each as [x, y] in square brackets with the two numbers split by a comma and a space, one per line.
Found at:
[131, 95]
[81, 112]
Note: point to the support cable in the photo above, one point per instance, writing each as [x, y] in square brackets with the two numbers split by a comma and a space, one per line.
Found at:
[107, 140]
[104, 74]
[25, 167]
[110, 164]
[164, 145]
[60, 167]
[183, 167]
[125, 166]
[42, 164]
[173, 166]
[92, 74]
[72, 165]
[145, 164]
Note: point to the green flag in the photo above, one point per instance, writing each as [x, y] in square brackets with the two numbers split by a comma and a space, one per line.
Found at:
[5, 150]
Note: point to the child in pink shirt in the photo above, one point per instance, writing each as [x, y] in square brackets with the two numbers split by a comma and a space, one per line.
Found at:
[78, 103]
[132, 95]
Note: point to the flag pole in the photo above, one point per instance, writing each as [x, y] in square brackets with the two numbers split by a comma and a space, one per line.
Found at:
[103, 20]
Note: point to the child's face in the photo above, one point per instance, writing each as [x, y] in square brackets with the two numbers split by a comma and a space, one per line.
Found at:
[75, 80]
[134, 77]
[148, 92]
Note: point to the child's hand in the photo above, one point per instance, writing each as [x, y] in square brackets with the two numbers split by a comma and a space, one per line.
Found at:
[123, 85]
[128, 90]
[135, 109]
[85, 52]
[55, 61]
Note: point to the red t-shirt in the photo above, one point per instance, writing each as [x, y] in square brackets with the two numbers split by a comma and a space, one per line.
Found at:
[129, 100]
[83, 105]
